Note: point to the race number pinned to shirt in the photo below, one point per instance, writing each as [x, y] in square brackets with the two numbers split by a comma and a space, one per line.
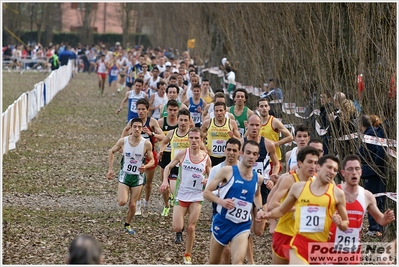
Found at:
[241, 211]
[258, 167]
[218, 147]
[312, 219]
[114, 72]
[133, 107]
[348, 240]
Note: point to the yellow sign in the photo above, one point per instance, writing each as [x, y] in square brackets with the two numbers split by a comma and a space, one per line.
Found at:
[191, 43]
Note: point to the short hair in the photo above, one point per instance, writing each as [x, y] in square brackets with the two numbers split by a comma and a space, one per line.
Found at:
[192, 71]
[174, 86]
[195, 130]
[160, 83]
[135, 120]
[138, 80]
[234, 141]
[250, 142]
[219, 95]
[205, 80]
[240, 90]
[365, 121]
[155, 68]
[350, 157]
[143, 101]
[261, 100]
[173, 77]
[197, 85]
[220, 104]
[184, 111]
[84, 249]
[172, 103]
[315, 141]
[306, 151]
[323, 159]
[301, 128]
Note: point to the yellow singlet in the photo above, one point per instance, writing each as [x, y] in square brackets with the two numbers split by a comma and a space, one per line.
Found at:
[313, 214]
[178, 143]
[217, 137]
[267, 131]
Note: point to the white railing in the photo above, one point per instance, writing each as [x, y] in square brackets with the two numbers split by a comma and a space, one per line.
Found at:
[18, 115]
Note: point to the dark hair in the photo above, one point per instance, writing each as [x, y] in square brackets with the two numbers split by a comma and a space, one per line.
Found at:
[301, 128]
[261, 100]
[172, 103]
[195, 130]
[234, 141]
[135, 120]
[365, 121]
[143, 101]
[350, 157]
[174, 86]
[85, 249]
[315, 141]
[205, 80]
[197, 85]
[240, 90]
[155, 68]
[138, 80]
[220, 104]
[250, 142]
[184, 111]
[173, 77]
[192, 71]
[219, 95]
[305, 151]
[160, 83]
[191, 66]
[323, 159]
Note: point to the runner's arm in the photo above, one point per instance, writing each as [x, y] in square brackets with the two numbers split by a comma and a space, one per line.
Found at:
[124, 100]
[381, 218]
[111, 152]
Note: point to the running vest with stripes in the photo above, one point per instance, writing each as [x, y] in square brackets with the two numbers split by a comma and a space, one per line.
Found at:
[313, 214]
[178, 143]
[189, 184]
[356, 211]
[240, 119]
[293, 161]
[132, 104]
[133, 157]
[286, 224]
[129, 70]
[262, 164]
[165, 113]
[216, 138]
[192, 107]
[152, 139]
[267, 131]
[166, 128]
[242, 192]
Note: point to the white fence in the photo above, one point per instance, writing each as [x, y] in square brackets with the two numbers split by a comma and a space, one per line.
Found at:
[18, 115]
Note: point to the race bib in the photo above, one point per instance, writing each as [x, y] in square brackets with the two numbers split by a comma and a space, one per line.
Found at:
[348, 239]
[196, 117]
[218, 147]
[312, 219]
[114, 72]
[133, 107]
[131, 166]
[258, 167]
[242, 131]
[241, 211]
[193, 182]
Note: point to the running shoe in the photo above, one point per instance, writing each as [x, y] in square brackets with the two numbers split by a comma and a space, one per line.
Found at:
[119, 90]
[187, 259]
[165, 212]
[138, 208]
[129, 230]
[179, 239]
[171, 200]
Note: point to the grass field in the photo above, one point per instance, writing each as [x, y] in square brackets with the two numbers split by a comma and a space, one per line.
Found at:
[55, 186]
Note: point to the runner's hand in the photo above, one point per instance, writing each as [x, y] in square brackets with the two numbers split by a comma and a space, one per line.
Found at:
[110, 175]
[336, 218]
[227, 203]
[164, 186]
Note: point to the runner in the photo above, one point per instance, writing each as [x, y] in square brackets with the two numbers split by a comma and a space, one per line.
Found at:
[131, 180]
[101, 73]
[194, 166]
[285, 230]
[316, 203]
[217, 131]
[358, 201]
[240, 188]
[239, 110]
[133, 96]
[196, 105]
[158, 99]
[301, 138]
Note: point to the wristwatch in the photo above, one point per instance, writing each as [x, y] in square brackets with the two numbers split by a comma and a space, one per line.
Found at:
[153, 134]
[261, 208]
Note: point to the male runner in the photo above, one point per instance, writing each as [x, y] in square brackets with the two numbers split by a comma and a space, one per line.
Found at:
[301, 138]
[240, 188]
[135, 148]
[133, 96]
[194, 166]
[239, 110]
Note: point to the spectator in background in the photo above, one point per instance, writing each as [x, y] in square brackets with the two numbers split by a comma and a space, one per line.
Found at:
[231, 78]
[373, 170]
[85, 249]
[275, 98]
[326, 107]
[377, 124]
[355, 102]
